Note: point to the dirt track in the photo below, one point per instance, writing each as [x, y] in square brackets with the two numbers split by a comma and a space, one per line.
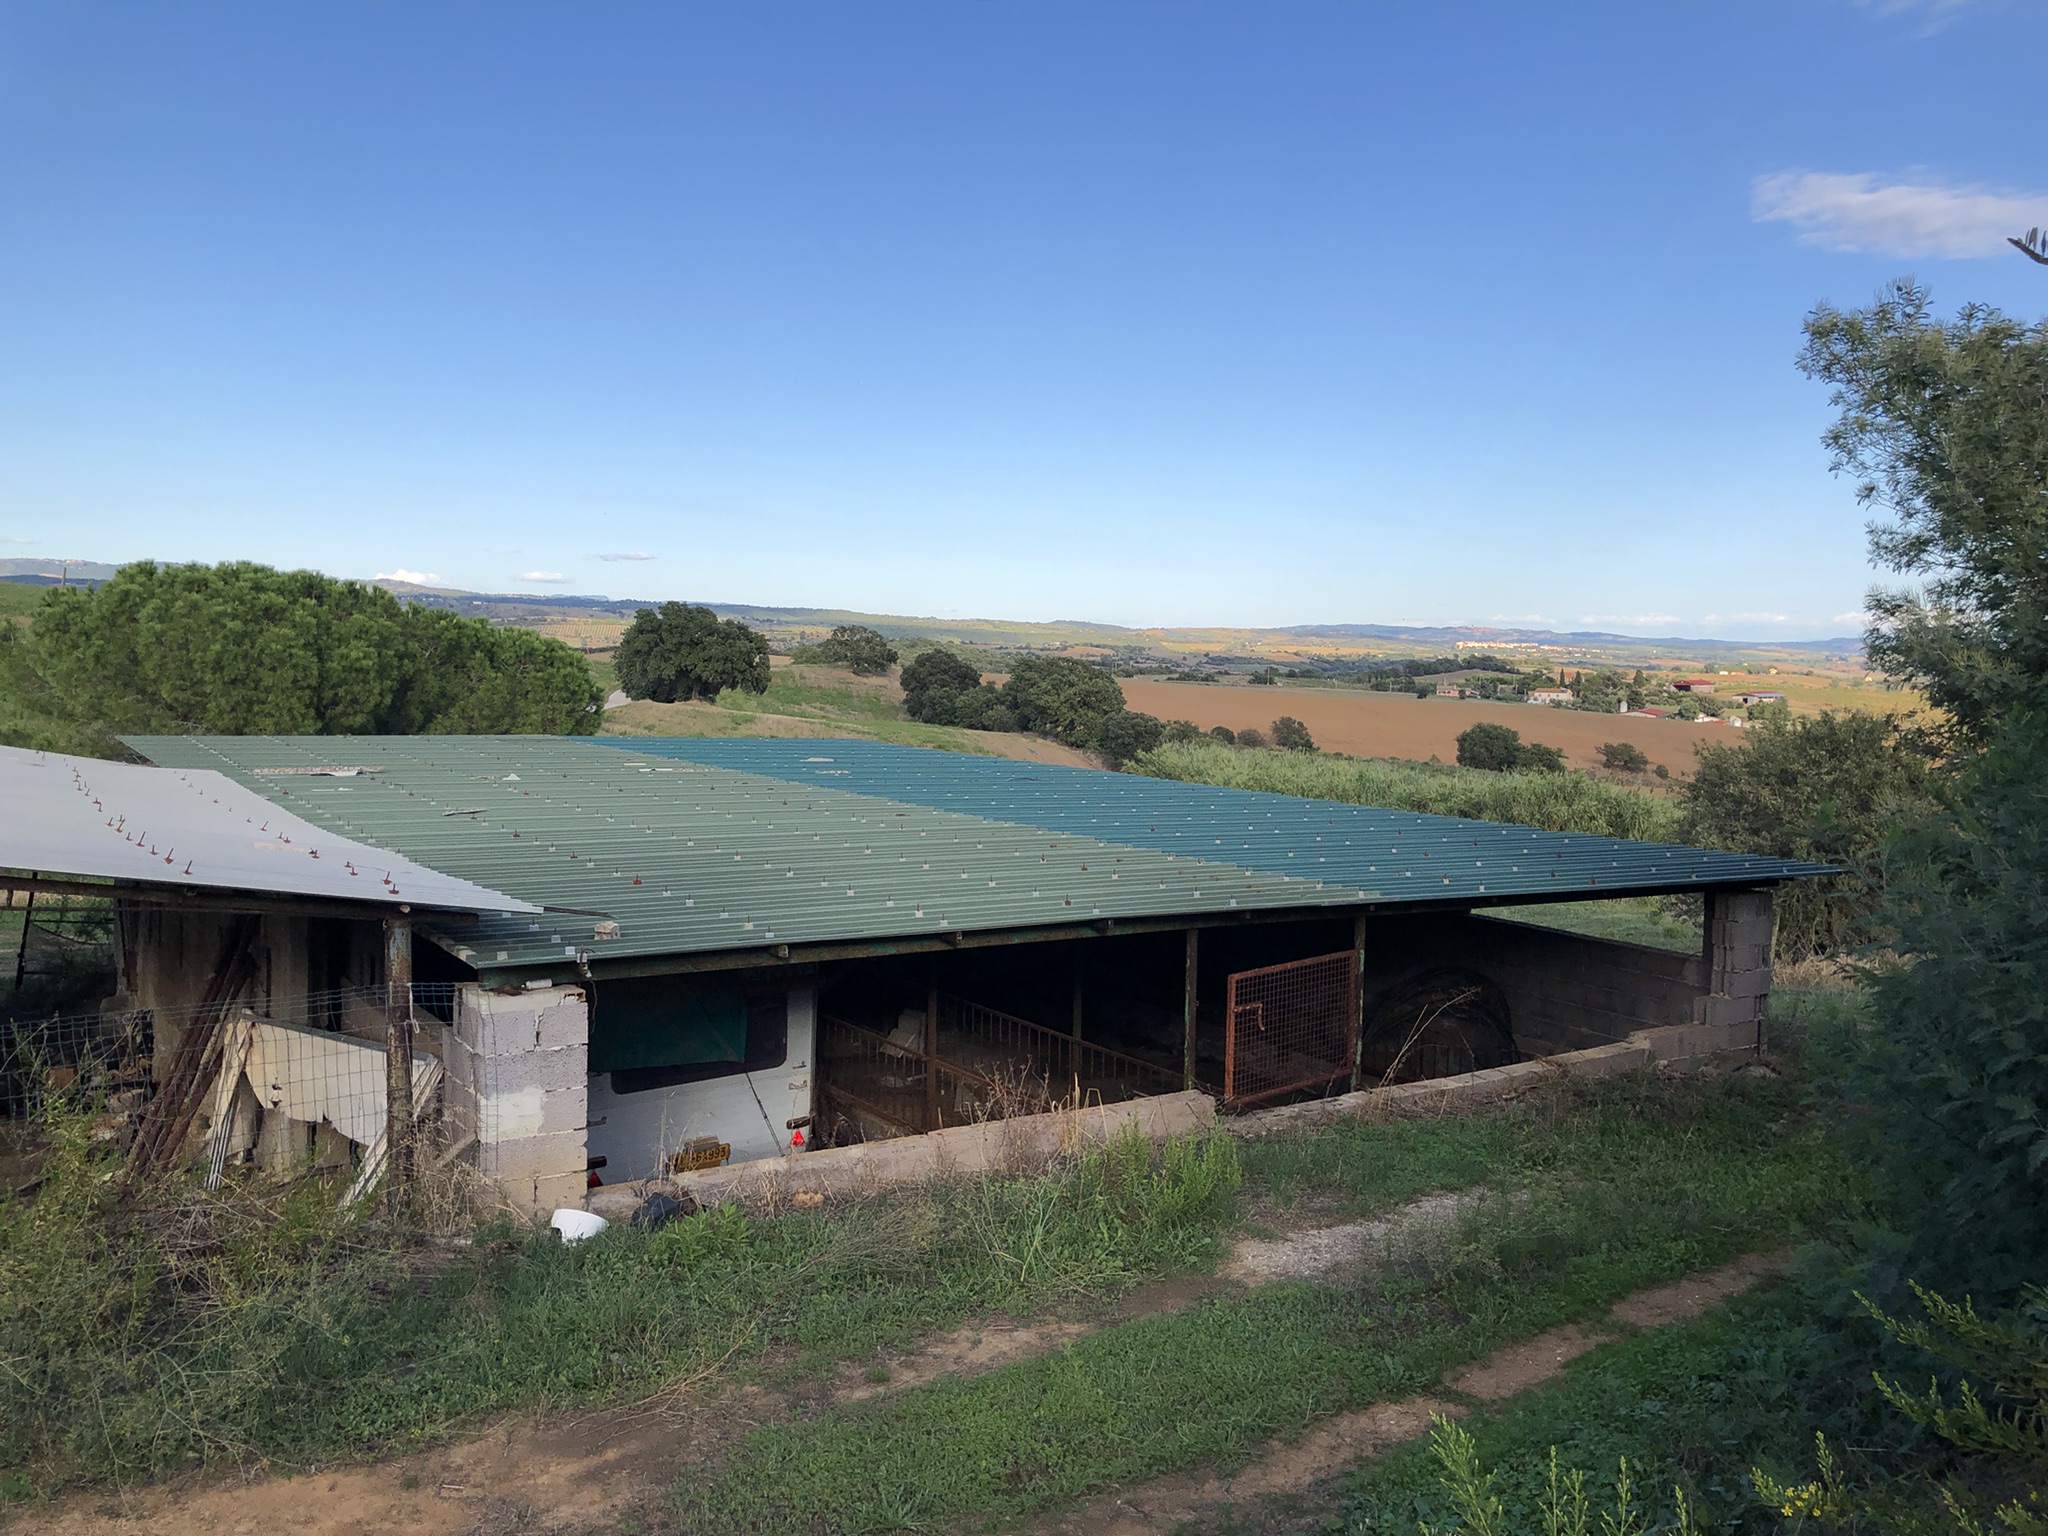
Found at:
[1401, 725]
[579, 1472]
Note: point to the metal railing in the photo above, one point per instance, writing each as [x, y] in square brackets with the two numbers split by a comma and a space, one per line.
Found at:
[1062, 1062]
[990, 1065]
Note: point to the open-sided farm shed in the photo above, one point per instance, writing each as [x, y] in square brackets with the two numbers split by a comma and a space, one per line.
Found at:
[745, 943]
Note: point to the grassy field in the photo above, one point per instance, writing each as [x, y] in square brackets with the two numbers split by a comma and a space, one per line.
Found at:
[1573, 802]
[19, 598]
[1594, 1191]
[822, 701]
[258, 1324]
[1694, 1406]
[1658, 921]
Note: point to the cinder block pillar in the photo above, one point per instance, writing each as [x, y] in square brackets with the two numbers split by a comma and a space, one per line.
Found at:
[1738, 954]
[517, 1070]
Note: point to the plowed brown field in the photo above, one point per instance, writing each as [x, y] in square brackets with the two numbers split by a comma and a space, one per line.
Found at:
[1400, 725]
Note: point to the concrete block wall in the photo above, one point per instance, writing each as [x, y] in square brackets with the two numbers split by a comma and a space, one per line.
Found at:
[517, 1082]
[1740, 928]
[1024, 1145]
[1565, 992]
[1568, 992]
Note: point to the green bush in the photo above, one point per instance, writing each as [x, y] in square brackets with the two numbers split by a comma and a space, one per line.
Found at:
[1557, 802]
[1290, 735]
[1125, 734]
[1825, 789]
[143, 1335]
[941, 687]
[1061, 697]
[681, 651]
[1624, 757]
[1487, 745]
[863, 651]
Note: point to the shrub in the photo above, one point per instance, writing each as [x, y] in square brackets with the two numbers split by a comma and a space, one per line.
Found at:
[1290, 735]
[1061, 697]
[1624, 757]
[941, 687]
[1487, 745]
[864, 651]
[1558, 802]
[1224, 734]
[681, 651]
[1251, 736]
[1825, 789]
[1181, 730]
[1123, 735]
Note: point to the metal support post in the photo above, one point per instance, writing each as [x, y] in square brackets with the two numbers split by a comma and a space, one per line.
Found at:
[1187, 1008]
[1077, 994]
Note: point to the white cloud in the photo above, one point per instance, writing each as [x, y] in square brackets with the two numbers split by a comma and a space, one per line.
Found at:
[636, 554]
[1520, 618]
[1934, 14]
[8, 539]
[542, 576]
[1749, 618]
[1859, 617]
[1628, 618]
[417, 578]
[1858, 211]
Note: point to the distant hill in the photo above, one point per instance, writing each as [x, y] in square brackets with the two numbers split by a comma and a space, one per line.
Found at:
[87, 573]
[1301, 645]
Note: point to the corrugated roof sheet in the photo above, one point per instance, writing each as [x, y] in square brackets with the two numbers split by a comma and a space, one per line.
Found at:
[198, 830]
[696, 845]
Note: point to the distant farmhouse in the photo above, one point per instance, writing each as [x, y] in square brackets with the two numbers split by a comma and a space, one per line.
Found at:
[1558, 696]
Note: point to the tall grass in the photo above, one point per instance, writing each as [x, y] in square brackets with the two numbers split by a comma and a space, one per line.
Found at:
[1557, 802]
[1592, 1191]
[137, 1338]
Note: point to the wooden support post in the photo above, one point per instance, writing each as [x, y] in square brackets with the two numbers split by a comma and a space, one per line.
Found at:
[28, 916]
[1357, 997]
[398, 1056]
[931, 1051]
[1187, 1008]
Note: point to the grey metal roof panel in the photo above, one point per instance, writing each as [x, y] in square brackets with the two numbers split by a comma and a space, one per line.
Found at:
[692, 850]
[200, 829]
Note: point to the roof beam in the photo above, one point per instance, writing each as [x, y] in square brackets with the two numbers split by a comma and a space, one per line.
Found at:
[202, 899]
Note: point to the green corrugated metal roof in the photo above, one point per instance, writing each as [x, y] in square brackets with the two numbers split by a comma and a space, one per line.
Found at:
[699, 846]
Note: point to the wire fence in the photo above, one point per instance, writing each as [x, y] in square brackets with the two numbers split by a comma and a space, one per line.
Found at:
[305, 1085]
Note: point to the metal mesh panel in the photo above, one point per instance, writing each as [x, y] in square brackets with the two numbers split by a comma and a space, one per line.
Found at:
[300, 1087]
[1289, 1028]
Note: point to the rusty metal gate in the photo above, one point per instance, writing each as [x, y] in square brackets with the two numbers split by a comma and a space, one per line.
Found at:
[1290, 1027]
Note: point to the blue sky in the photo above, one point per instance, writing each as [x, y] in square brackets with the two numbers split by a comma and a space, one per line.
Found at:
[1154, 314]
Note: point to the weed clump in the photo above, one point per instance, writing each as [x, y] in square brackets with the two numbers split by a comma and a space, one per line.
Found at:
[146, 1330]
